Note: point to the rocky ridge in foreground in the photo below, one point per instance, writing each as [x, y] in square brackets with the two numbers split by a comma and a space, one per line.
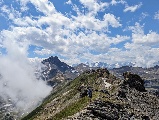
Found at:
[113, 99]
[127, 102]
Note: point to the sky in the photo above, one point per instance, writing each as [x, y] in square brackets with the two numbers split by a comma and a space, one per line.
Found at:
[110, 31]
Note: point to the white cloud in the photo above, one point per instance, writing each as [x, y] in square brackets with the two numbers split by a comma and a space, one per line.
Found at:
[140, 50]
[44, 6]
[25, 21]
[143, 16]
[77, 37]
[61, 37]
[94, 6]
[119, 39]
[44, 52]
[11, 12]
[115, 2]
[156, 16]
[69, 2]
[152, 38]
[139, 55]
[18, 81]
[92, 23]
[132, 8]
[60, 34]
[138, 36]
[23, 2]
[35, 60]
[142, 55]
[5, 9]
[112, 20]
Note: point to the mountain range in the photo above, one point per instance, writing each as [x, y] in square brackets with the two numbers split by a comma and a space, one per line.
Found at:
[56, 71]
[65, 81]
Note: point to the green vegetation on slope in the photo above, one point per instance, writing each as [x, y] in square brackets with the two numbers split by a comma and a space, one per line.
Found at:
[65, 98]
[72, 109]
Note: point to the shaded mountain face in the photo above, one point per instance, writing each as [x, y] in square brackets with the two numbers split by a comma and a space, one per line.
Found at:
[112, 99]
[61, 66]
[56, 71]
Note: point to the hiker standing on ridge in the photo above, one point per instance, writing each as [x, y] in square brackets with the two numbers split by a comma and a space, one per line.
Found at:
[89, 92]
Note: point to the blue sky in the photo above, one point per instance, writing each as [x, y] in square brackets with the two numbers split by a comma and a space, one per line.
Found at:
[110, 31]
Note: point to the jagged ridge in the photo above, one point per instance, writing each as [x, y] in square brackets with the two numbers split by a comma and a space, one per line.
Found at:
[121, 100]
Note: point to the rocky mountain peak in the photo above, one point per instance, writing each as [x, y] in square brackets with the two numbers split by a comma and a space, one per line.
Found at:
[61, 66]
[53, 60]
[56, 71]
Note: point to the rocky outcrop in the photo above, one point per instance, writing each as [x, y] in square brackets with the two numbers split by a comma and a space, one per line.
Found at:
[100, 110]
[135, 106]
[129, 101]
[134, 81]
[150, 75]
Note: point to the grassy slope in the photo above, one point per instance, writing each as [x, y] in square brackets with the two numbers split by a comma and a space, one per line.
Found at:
[68, 103]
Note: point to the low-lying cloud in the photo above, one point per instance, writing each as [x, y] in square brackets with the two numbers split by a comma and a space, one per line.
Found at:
[18, 81]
